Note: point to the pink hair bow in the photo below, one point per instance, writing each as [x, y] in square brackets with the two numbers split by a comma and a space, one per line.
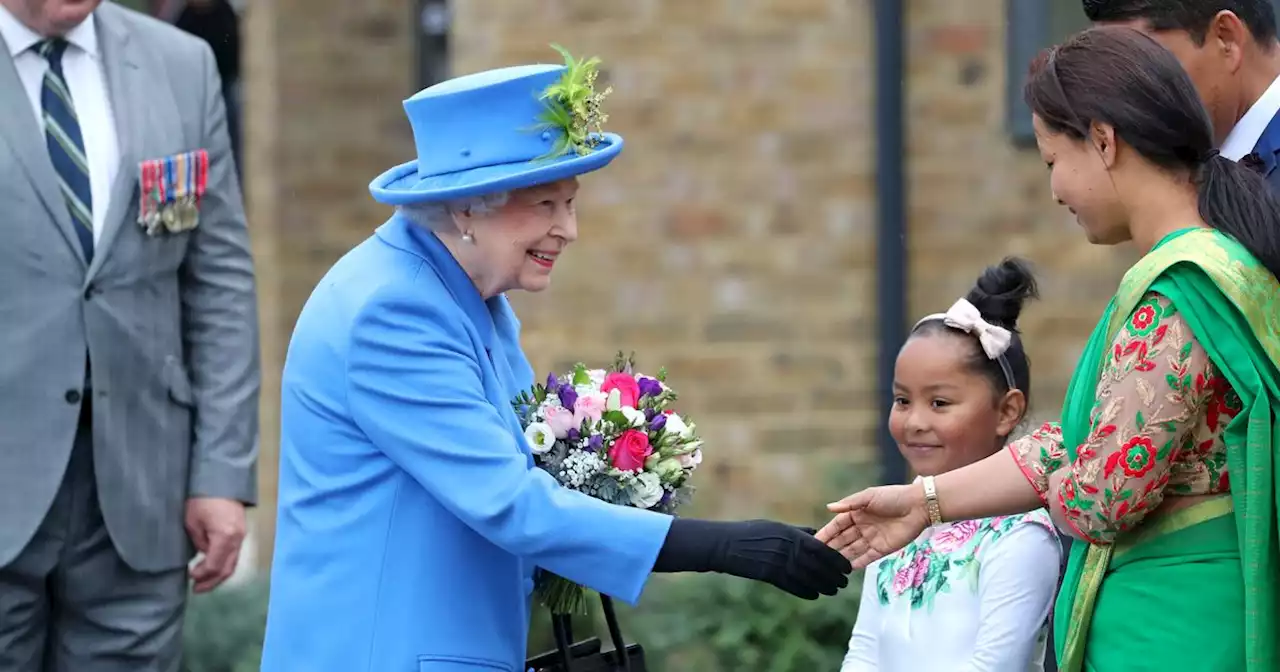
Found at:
[965, 316]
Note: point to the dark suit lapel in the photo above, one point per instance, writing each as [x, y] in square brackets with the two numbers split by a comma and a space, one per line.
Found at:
[126, 88]
[1268, 147]
[25, 137]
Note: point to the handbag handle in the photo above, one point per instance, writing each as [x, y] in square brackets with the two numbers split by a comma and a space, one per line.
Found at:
[562, 629]
[615, 632]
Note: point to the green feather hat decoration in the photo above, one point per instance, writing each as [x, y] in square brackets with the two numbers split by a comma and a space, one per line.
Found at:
[573, 107]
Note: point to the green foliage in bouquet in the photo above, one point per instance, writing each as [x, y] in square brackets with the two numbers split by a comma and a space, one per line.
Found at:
[223, 630]
[715, 623]
[573, 106]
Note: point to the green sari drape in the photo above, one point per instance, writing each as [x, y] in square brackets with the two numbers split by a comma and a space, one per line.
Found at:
[1198, 589]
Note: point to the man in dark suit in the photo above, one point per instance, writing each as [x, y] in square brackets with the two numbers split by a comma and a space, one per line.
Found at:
[1230, 49]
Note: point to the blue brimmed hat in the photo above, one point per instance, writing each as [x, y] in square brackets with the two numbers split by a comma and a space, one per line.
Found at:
[499, 130]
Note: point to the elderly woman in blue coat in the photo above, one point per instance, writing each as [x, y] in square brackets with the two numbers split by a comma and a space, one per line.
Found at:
[412, 519]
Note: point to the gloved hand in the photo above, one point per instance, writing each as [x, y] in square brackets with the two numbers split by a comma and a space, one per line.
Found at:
[787, 557]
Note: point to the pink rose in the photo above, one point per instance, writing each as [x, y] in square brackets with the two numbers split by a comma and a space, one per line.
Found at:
[626, 386]
[560, 419]
[914, 573]
[955, 535]
[630, 451]
[588, 407]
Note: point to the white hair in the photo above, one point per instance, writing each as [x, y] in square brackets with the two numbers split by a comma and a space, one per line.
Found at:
[438, 216]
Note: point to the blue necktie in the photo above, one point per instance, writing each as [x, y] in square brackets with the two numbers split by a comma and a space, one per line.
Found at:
[66, 145]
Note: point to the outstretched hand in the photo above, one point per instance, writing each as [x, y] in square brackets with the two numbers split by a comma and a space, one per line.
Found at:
[875, 522]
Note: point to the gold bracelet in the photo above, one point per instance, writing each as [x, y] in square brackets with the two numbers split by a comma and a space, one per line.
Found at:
[931, 501]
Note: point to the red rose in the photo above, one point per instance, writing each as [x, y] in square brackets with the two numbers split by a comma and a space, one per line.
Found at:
[630, 451]
[626, 386]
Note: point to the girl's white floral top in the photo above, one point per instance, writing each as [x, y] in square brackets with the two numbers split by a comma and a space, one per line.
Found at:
[969, 596]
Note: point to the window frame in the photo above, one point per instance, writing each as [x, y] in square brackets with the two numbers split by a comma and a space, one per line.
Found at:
[1027, 28]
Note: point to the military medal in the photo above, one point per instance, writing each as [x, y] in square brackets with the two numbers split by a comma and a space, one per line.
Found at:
[171, 191]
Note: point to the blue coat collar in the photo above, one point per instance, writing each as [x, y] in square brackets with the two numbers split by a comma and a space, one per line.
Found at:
[400, 232]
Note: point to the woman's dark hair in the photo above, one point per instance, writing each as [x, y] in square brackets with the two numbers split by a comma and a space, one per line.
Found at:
[1118, 76]
[998, 295]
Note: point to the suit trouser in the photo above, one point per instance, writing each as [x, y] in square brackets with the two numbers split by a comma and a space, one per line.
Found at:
[68, 602]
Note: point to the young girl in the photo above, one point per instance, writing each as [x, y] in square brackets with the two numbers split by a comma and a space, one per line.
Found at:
[971, 595]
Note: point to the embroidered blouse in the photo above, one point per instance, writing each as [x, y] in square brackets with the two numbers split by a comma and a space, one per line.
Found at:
[969, 596]
[1155, 429]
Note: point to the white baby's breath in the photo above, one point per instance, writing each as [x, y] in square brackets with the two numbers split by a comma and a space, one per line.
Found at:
[579, 467]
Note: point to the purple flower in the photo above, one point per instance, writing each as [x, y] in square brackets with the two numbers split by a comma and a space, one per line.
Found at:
[657, 423]
[553, 383]
[649, 413]
[568, 396]
[649, 387]
[596, 442]
[574, 435]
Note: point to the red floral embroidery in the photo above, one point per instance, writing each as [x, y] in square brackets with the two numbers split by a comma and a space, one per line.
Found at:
[1156, 429]
[1137, 457]
[1143, 317]
[1224, 405]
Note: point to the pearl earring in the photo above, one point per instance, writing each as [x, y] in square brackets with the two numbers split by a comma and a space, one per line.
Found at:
[468, 238]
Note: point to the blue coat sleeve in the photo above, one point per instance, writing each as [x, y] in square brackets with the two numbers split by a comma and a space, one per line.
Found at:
[415, 389]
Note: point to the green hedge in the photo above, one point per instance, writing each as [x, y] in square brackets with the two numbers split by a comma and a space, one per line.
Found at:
[709, 623]
[223, 629]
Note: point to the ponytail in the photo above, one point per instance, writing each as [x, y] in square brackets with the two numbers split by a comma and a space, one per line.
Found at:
[1235, 199]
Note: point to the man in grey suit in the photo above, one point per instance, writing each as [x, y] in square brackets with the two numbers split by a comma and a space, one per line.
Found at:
[129, 369]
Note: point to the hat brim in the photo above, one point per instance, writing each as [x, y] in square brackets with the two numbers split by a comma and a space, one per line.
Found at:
[403, 185]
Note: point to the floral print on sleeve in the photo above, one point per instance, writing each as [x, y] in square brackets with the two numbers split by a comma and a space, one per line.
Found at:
[1039, 454]
[1155, 388]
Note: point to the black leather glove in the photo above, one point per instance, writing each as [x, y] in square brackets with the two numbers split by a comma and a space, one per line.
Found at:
[788, 557]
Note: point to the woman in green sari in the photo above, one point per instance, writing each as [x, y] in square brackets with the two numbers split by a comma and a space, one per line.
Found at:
[1165, 462]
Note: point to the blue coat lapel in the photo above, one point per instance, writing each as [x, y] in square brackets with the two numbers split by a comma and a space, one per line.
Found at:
[493, 320]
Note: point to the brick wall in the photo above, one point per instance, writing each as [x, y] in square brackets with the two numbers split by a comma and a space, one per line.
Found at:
[733, 241]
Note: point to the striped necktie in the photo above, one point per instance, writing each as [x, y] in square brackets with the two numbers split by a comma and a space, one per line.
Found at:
[66, 145]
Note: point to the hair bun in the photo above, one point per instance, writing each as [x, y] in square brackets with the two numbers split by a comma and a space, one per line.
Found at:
[1002, 289]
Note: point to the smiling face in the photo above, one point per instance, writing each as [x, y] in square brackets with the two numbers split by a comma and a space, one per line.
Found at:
[945, 415]
[1080, 180]
[517, 245]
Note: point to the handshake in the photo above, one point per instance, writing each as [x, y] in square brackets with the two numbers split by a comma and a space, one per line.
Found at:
[788, 557]
[802, 561]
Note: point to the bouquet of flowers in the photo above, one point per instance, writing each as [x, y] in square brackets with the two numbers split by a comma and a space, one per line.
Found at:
[612, 435]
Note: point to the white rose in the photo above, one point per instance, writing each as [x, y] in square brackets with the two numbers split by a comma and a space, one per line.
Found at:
[634, 415]
[691, 460]
[676, 425]
[646, 491]
[540, 437]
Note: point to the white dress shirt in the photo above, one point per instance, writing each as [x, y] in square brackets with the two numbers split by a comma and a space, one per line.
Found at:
[1244, 137]
[87, 79]
[970, 596]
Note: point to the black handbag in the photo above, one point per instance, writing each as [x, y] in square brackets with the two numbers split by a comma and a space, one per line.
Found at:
[586, 656]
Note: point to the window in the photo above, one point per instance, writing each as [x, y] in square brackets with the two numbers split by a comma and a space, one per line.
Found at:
[1033, 25]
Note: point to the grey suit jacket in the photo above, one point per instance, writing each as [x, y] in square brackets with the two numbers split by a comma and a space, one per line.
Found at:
[169, 322]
